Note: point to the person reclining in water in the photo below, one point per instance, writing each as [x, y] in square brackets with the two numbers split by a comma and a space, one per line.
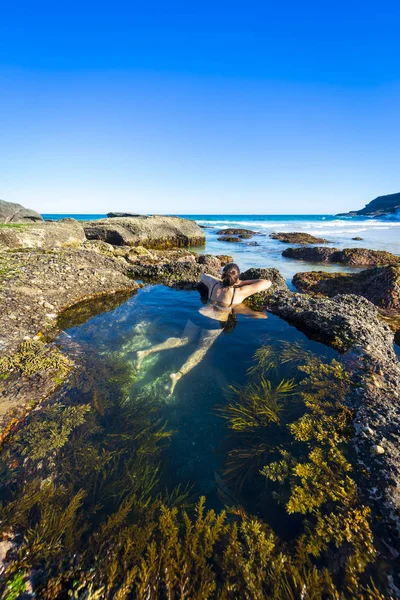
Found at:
[225, 297]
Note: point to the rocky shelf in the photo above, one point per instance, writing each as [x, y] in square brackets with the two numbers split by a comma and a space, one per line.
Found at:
[357, 257]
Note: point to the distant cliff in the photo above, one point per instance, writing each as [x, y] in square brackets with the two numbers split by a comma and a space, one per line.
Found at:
[383, 205]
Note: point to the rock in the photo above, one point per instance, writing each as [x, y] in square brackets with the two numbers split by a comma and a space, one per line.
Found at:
[357, 239]
[382, 205]
[210, 262]
[113, 215]
[377, 449]
[246, 236]
[39, 287]
[229, 238]
[225, 259]
[181, 272]
[258, 301]
[99, 246]
[380, 285]
[42, 235]
[10, 212]
[348, 256]
[298, 238]
[151, 232]
[238, 232]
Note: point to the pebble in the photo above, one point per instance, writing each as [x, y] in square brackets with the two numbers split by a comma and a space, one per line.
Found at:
[378, 449]
[48, 305]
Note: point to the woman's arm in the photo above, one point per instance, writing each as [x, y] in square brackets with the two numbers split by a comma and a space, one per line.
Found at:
[208, 280]
[252, 286]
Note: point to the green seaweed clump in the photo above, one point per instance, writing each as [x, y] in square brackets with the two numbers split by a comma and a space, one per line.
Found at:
[33, 356]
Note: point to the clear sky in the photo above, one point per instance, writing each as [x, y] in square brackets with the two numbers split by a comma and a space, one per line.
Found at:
[199, 107]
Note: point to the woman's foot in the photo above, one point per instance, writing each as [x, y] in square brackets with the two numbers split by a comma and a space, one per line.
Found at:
[141, 355]
[175, 377]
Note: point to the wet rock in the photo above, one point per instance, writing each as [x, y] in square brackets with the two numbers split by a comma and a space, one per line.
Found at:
[10, 212]
[352, 323]
[225, 259]
[229, 238]
[380, 285]
[182, 272]
[298, 238]
[43, 235]
[151, 232]
[36, 287]
[357, 239]
[258, 301]
[348, 256]
[235, 231]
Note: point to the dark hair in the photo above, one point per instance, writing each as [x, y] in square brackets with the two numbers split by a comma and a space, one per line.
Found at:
[230, 275]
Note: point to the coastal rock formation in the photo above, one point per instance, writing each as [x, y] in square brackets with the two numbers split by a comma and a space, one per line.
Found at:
[381, 206]
[225, 259]
[229, 238]
[44, 235]
[357, 257]
[258, 301]
[238, 232]
[10, 212]
[380, 285]
[180, 269]
[351, 323]
[151, 232]
[36, 287]
[298, 238]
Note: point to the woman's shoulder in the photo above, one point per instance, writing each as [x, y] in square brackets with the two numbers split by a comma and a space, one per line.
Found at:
[209, 279]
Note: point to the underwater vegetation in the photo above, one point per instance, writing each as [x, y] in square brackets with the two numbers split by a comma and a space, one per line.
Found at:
[87, 514]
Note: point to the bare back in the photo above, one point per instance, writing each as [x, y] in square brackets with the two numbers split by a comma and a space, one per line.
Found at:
[233, 295]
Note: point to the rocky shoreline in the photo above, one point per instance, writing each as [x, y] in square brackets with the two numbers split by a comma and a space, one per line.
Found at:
[39, 285]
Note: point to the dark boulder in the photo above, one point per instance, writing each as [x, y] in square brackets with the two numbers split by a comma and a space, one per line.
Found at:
[10, 212]
[229, 238]
[380, 285]
[113, 215]
[235, 231]
[349, 256]
[225, 259]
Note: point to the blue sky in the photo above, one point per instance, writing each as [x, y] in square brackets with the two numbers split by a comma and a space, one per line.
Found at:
[205, 107]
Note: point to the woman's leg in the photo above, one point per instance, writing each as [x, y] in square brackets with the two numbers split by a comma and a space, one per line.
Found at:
[207, 340]
[172, 342]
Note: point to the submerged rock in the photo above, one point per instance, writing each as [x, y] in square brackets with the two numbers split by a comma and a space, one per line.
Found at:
[229, 238]
[44, 235]
[298, 238]
[151, 232]
[10, 212]
[380, 285]
[348, 256]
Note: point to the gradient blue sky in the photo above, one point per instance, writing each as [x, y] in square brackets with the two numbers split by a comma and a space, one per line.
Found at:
[199, 107]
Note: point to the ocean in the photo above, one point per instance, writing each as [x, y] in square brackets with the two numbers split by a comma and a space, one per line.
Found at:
[377, 234]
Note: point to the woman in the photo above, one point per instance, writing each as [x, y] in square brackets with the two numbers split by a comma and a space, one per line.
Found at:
[225, 297]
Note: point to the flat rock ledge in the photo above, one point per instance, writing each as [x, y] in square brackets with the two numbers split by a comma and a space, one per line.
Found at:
[35, 288]
[352, 324]
[296, 237]
[357, 257]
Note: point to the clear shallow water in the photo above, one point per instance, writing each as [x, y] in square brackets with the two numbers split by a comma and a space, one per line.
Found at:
[195, 456]
[377, 234]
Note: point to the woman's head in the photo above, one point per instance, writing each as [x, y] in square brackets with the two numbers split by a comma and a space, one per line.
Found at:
[230, 275]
